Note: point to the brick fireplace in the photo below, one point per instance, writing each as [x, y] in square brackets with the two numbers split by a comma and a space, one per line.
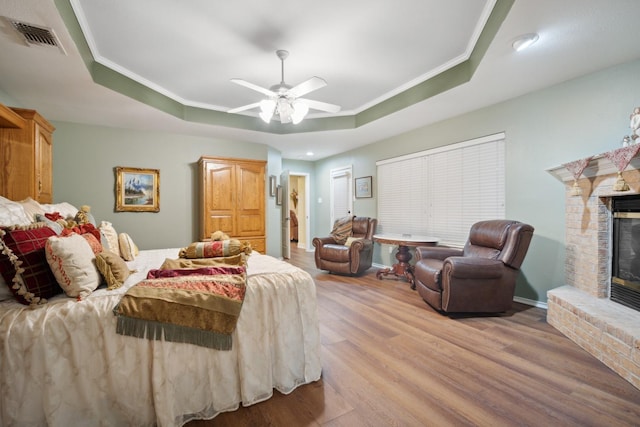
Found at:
[581, 309]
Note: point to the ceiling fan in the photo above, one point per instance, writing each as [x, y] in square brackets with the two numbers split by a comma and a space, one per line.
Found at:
[284, 100]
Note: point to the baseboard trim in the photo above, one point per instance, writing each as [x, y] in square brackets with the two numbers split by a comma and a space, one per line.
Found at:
[534, 303]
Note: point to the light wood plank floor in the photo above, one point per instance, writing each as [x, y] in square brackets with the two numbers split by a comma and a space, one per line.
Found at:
[390, 360]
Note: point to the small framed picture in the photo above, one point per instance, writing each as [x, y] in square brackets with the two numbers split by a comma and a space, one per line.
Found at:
[137, 190]
[272, 185]
[363, 187]
[279, 195]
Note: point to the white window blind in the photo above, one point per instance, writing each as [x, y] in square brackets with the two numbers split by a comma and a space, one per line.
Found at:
[442, 192]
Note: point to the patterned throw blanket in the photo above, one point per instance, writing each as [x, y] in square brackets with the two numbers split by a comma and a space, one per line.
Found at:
[196, 305]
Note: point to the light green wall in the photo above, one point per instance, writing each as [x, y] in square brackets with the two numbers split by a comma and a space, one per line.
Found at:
[84, 159]
[274, 213]
[7, 100]
[572, 120]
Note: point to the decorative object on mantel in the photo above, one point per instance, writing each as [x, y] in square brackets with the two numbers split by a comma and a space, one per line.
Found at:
[634, 124]
[576, 168]
[621, 158]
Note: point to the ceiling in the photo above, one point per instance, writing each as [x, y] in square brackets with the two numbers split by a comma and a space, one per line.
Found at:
[392, 65]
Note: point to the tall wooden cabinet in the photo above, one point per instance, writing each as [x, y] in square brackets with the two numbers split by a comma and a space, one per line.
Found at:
[26, 168]
[232, 199]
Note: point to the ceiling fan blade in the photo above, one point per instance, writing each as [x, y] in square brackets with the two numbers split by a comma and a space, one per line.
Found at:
[314, 83]
[322, 106]
[244, 108]
[254, 87]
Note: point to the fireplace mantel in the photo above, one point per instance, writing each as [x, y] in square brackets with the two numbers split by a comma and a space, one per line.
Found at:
[599, 165]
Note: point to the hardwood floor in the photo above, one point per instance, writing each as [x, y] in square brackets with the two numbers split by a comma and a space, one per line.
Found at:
[390, 360]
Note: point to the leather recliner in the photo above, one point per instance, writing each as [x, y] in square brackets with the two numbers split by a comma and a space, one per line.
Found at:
[343, 259]
[481, 277]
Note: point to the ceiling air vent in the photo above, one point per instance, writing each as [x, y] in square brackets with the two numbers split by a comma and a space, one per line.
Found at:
[36, 36]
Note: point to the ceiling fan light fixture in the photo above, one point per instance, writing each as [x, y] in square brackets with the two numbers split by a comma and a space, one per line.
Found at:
[267, 108]
[285, 110]
[300, 110]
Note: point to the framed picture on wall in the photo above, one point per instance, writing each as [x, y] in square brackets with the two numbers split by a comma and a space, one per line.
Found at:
[279, 195]
[137, 190]
[272, 185]
[363, 187]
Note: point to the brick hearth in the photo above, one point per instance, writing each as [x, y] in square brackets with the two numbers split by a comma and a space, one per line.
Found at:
[581, 309]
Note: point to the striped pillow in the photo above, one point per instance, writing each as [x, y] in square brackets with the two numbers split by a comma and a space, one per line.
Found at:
[342, 230]
[212, 249]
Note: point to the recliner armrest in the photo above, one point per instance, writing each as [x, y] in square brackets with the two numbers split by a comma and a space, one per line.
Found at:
[361, 244]
[472, 268]
[321, 241]
[436, 252]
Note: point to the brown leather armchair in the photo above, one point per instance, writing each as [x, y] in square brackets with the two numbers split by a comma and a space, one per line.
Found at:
[480, 278]
[343, 259]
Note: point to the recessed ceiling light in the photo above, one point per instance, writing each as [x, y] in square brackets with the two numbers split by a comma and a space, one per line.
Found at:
[309, 153]
[524, 41]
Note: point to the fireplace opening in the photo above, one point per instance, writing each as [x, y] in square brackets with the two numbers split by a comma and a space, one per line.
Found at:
[625, 272]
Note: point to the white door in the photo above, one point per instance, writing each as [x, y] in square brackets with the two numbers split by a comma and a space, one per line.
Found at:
[341, 195]
[286, 232]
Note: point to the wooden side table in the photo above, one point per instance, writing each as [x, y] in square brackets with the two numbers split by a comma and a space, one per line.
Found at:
[404, 241]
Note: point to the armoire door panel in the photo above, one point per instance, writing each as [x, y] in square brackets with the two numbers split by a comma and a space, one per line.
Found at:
[220, 195]
[217, 221]
[250, 225]
[232, 198]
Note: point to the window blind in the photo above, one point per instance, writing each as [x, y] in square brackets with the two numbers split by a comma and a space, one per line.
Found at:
[442, 192]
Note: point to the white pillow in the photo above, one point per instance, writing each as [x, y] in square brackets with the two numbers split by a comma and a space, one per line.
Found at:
[31, 208]
[65, 209]
[110, 234]
[73, 264]
[128, 250]
[12, 213]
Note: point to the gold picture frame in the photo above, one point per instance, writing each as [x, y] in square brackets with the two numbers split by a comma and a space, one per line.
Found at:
[137, 190]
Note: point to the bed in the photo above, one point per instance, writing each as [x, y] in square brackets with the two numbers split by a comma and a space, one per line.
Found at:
[62, 363]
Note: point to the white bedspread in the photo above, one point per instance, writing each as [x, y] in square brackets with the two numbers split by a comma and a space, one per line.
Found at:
[62, 364]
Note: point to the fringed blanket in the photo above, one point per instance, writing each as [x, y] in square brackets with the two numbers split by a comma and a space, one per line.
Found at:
[198, 306]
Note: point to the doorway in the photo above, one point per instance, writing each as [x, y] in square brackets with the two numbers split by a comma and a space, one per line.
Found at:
[299, 210]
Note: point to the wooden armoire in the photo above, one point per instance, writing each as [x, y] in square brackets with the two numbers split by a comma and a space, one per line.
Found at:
[26, 146]
[232, 199]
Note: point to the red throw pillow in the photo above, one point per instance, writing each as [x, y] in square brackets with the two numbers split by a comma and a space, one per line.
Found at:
[28, 246]
[95, 244]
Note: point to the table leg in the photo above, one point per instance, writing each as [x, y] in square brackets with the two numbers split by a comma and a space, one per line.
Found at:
[400, 269]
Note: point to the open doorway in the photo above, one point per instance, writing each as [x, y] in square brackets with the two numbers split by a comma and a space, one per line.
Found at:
[299, 210]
